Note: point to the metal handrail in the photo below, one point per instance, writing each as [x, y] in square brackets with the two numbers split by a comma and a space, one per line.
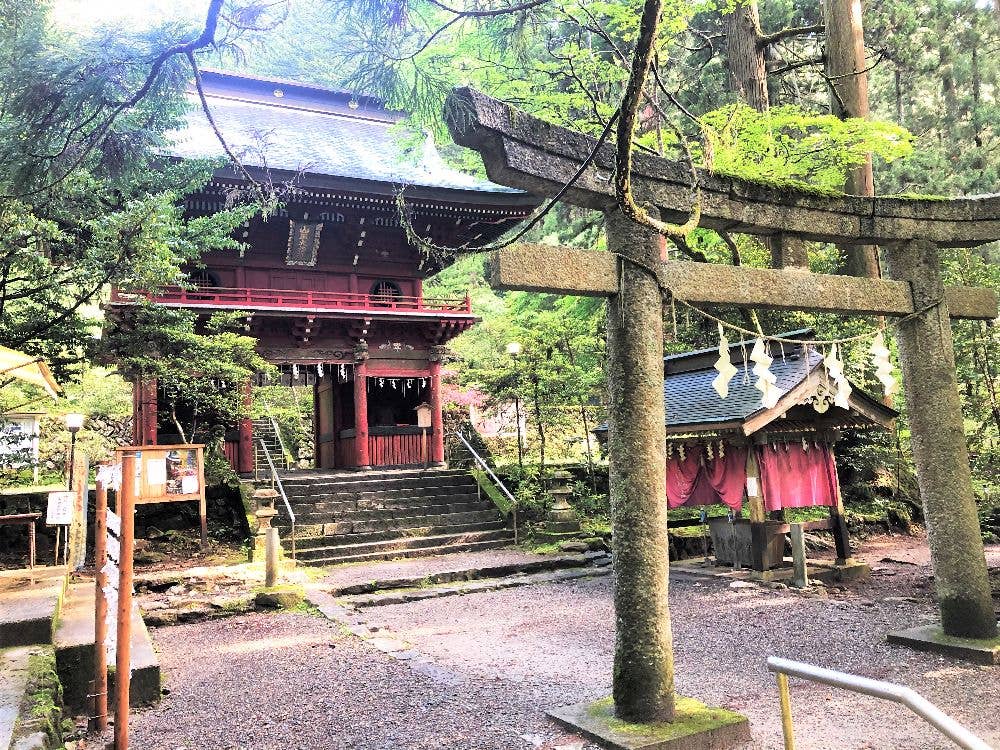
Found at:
[285, 453]
[276, 484]
[785, 668]
[496, 480]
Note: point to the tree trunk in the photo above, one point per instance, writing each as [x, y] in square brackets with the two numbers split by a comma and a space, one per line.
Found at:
[940, 451]
[848, 80]
[643, 677]
[745, 55]
[537, 401]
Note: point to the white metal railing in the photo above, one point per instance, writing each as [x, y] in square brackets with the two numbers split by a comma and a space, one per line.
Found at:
[276, 485]
[501, 487]
[785, 668]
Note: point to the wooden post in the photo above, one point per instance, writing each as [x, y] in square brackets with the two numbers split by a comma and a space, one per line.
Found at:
[643, 676]
[361, 452]
[758, 531]
[437, 413]
[203, 500]
[123, 655]
[99, 717]
[940, 451]
[841, 535]
[800, 576]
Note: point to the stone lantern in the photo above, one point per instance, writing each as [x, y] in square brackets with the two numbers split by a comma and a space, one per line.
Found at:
[561, 518]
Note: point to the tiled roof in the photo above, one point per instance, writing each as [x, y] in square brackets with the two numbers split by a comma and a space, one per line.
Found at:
[690, 398]
[290, 127]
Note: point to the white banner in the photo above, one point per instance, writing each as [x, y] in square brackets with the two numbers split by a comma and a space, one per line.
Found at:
[114, 549]
[110, 476]
[114, 523]
[112, 573]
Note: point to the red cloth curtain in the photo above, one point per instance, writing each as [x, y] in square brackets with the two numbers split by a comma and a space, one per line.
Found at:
[699, 480]
[792, 477]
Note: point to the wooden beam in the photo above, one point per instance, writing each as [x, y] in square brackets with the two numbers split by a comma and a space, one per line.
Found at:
[563, 270]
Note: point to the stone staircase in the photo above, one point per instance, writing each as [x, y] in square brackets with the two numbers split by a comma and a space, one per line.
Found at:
[263, 430]
[380, 515]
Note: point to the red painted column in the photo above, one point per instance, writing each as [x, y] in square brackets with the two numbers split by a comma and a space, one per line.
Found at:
[437, 417]
[361, 408]
[246, 436]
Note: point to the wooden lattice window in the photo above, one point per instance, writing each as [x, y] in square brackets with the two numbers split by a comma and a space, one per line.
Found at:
[201, 278]
[385, 292]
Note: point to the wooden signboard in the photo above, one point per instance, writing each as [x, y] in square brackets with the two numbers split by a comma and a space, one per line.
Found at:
[171, 474]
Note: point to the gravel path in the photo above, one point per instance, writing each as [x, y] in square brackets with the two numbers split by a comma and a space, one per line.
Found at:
[348, 575]
[297, 682]
[500, 658]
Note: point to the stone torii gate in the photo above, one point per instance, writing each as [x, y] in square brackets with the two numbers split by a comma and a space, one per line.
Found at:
[525, 152]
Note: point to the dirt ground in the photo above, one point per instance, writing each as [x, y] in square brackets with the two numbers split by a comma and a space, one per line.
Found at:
[491, 663]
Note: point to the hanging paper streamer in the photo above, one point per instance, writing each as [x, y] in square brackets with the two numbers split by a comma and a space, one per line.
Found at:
[319, 369]
[295, 372]
[883, 367]
[766, 380]
[724, 366]
[835, 369]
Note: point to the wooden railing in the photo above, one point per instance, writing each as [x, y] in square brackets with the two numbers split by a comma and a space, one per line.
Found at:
[293, 299]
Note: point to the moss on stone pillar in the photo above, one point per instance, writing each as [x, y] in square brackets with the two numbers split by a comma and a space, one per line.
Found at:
[940, 451]
[643, 687]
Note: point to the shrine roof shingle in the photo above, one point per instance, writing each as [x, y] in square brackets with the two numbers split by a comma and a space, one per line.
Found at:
[691, 401]
[294, 128]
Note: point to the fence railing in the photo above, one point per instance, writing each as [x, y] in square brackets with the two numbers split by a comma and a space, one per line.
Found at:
[785, 668]
[291, 298]
[276, 485]
[498, 485]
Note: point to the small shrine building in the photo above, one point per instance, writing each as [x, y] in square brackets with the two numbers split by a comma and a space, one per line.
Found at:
[331, 286]
[733, 450]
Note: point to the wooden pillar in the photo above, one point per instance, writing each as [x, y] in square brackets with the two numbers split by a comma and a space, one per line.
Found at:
[643, 686]
[841, 535]
[361, 456]
[246, 452]
[144, 406]
[151, 405]
[758, 530]
[927, 360]
[437, 413]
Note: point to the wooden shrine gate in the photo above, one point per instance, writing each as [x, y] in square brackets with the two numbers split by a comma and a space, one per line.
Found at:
[524, 152]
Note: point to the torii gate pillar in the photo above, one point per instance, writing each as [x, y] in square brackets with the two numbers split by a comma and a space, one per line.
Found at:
[643, 663]
[927, 360]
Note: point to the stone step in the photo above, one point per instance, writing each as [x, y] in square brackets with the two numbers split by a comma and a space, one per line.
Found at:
[387, 521]
[414, 552]
[74, 644]
[338, 540]
[378, 477]
[342, 507]
[396, 547]
[401, 493]
[30, 601]
[402, 486]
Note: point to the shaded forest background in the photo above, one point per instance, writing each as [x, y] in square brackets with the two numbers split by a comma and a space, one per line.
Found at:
[110, 215]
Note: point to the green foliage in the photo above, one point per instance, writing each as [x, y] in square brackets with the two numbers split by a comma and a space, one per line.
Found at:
[200, 372]
[86, 200]
[791, 146]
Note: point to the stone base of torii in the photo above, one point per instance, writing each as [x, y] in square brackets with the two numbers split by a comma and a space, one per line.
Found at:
[524, 152]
